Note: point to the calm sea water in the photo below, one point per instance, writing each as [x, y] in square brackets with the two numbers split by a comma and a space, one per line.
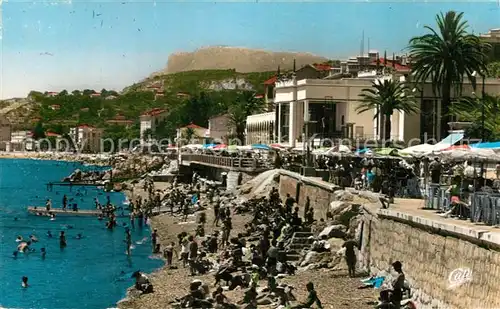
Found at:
[88, 272]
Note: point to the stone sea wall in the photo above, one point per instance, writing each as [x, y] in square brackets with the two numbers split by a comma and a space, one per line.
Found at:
[320, 193]
[448, 265]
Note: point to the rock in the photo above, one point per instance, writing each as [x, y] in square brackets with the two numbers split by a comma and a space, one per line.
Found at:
[370, 196]
[313, 257]
[343, 195]
[106, 176]
[333, 231]
[336, 207]
[335, 244]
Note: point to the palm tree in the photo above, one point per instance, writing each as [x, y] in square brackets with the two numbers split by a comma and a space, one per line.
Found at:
[386, 97]
[470, 109]
[189, 133]
[444, 56]
[246, 104]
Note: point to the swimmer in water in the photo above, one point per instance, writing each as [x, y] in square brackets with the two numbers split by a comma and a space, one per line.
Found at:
[24, 282]
[33, 238]
[52, 217]
[62, 240]
[43, 252]
[79, 236]
[15, 254]
[49, 234]
[15, 219]
[19, 238]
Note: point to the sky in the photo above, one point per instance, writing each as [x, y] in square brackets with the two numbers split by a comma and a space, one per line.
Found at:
[63, 44]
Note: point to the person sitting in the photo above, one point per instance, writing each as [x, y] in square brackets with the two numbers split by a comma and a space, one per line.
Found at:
[385, 302]
[142, 283]
[311, 299]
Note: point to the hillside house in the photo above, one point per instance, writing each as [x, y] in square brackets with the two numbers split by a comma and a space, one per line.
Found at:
[220, 127]
[149, 120]
[5, 132]
[200, 133]
[86, 138]
[120, 120]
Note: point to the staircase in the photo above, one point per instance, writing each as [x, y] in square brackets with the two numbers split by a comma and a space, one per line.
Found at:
[299, 241]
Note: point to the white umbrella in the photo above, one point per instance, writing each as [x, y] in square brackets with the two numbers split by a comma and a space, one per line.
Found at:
[418, 149]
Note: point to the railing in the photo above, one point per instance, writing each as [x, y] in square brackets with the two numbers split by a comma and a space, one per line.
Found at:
[485, 207]
[239, 163]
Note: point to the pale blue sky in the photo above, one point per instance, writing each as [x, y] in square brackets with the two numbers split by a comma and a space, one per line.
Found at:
[111, 44]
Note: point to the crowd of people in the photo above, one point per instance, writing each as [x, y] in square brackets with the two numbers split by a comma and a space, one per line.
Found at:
[253, 259]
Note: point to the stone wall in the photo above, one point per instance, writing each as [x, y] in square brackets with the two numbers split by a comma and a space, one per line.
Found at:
[430, 249]
[319, 192]
[429, 256]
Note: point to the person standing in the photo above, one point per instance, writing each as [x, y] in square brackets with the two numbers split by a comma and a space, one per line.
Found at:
[64, 202]
[62, 240]
[193, 254]
[350, 256]
[154, 238]
[128, 241]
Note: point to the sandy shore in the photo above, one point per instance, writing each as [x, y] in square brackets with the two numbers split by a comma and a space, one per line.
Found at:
[335, 289]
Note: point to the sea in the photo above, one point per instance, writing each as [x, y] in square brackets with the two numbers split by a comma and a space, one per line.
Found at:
[90, 273]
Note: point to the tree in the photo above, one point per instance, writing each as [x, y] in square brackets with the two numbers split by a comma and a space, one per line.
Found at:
[188, 133]
[386, 97]
[494, 69]
[38, 131]
[470, 109]
[147, 134]
[444, 56]
[245, 105]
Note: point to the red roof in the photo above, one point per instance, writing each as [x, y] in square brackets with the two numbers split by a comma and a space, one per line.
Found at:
[52, 92]
[154, 112]
[322, 66]
[271, 81]
[52, 134]
[259, 96]
[193, 126]
[85, 126]
[397, 66]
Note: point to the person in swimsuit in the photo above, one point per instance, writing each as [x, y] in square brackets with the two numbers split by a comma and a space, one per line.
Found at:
[24, 282]
[62, 240]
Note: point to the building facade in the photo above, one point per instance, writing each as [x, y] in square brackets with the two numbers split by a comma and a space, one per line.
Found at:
[21, 141]
[199, 134]
[220, 128]
[260, 128]
[326, 109]
[5, 132]
[86, 138]
[150, 120]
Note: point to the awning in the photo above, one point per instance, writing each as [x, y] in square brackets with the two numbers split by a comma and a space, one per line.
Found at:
[449, 141]
[489, 145]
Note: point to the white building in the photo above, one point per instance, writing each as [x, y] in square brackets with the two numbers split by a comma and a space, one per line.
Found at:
[86, 138]
[260, 128]
[21, 141]
[150, 120]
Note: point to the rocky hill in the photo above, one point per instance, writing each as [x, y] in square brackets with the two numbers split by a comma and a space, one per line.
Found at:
[242, 60]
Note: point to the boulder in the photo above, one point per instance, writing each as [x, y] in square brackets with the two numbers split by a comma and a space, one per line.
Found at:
[336, 207]
[333, 231]
[370, 196]
[342, 195]
[313, 257]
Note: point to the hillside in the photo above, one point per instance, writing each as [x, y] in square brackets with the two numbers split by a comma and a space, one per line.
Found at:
[240, 59]
[191, 96]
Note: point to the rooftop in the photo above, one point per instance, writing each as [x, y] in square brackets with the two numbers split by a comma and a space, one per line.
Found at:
[154, 112]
